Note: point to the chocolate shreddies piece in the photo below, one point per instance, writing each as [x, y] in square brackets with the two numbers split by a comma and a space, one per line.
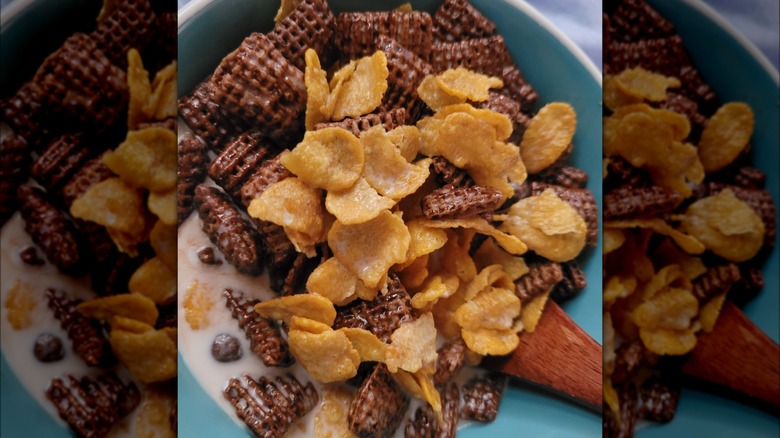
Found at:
[481, 397]
[456, 20]
[233, 235]
[130, 25]
[237, 161]
[424, 424]
[572, 282]
[451, 202]
[92, 172]
[265, 338]
[487, 55]
[389, 119]
[540, 278]
[89, 342]
[309, 26]
[207, 119]
[60, 161]
[51, 230]
[357, 33]
[406, 72]
[378, 406]
[628, 201]
[92, 406]
[451, 358]
[14, 171]
[191, 171]
[270, 407]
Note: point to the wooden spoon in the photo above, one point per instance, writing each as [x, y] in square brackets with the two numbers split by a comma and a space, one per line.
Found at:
[558, 355]
[738, 355]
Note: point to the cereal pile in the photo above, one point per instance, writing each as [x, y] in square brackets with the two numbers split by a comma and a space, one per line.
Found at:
[101, 211]
[389, 172]
[687, 221]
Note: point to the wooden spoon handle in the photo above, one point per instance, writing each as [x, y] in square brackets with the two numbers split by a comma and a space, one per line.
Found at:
[558, 355]
[737, 354]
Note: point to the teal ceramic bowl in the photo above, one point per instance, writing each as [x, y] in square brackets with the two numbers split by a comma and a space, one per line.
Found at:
[208, 30]
[737, 71]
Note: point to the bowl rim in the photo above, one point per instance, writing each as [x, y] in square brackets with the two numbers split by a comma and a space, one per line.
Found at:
[11, 11]
[192, 8]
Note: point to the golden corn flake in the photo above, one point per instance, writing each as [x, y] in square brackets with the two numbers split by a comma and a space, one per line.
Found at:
[113, 204]
[430, 393]
[668, 253]
[310, 306]
[109, 6]
[163, 241]
[672, 308]
[434, 96]
[329, 158]
[359, 90]
[412, 345]
[149, 356]
[548, 135]
[317, 89]
[357, 204]
[386, 170]
[437, 287]
[689, 244]
[369, 249]
[614, 96]
[292, 204]
[369, 347]
[407, 139]
[307, 325]
[132, 306]
[406, 7]
[154, 280]
[328, 356]
[679, 123]
[725, 136]
[618, 287]
[20, 304]
[285, 8]
[726, 226]
[493, 308]
[548, 225]
[668, 277]
[197, 305]
[413, 274]
[491, 342]
[163, 205]
[668, 341]
[153, 419]
[708, 315]
[331, 419]
[531, 312]
[147, 159]
[645, 85]
[508, 242]
[466, 84]
[162, 103]
[608, 350]
[489, 253]
[613, 239]
[335, 282]
[139, 87]
[424, 239]
[498, 121]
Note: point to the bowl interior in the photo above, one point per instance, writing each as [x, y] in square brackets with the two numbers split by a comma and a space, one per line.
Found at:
[555, 72]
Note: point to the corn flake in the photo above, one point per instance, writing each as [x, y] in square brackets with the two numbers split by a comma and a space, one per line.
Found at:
[133, 306]
[113, 204]
[329, 158]
[197, 305]
[548, 135]
[369, 347]
[532, 311]
[20, 305]
[310, 306]
[163, 101]
[689, 244]
[285, 8]
[615, 97]
[371, 248]
[317, 89]
[357, 204]
[407, 139]
[163, 205]
[725, 136]
[726, 226]
[359, 90]
[645, 85]
[331, 419]
[153, 419]
[139, 87]
[412, 345]
[307, 325]
[163, 241]
[492, 308]
[548, 225]
[149, 356]
[147, 159]
[491, 342]
[386, 170]
[328, 356]
[154, 280]
[335, 282]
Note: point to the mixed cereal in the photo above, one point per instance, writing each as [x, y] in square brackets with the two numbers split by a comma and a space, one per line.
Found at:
[687, 220]
[389, 172]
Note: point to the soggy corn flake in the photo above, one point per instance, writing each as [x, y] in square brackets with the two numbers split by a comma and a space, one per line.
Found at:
[725, 136]
[113, 204]
[424, 239]
[386, 170]
[360, 88]
[645, 85]
[317, 89]
[548, 225]
[330, 421]
[508, 242]
[146, 159]
[20, 304]
[434, 96]
[725, 225]
[131, 305]
[618, 287]
[154, 280]
[197, 305]
[369, 249]
[357, 204]
[312, 306]
[328, 356]
[163, 205]
[330, 159]
[549, 133]
[412, 345]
